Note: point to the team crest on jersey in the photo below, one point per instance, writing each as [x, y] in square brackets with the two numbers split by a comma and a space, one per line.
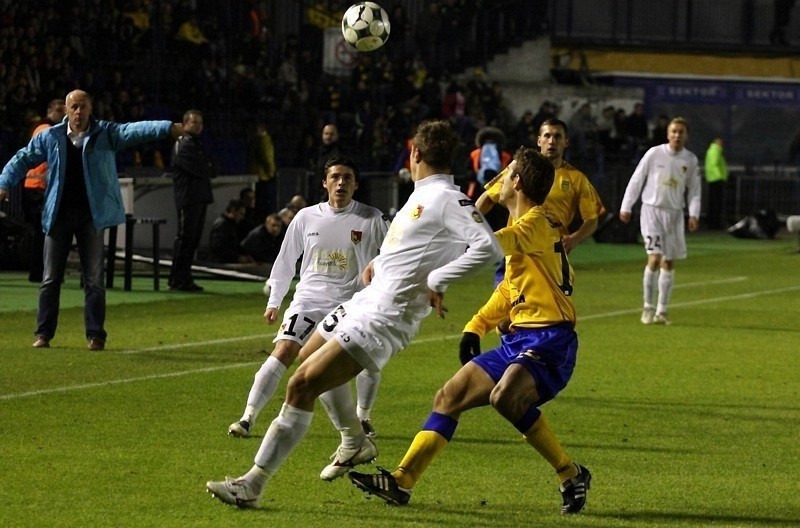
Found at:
[565, 185]
[416, 212]
[355, 236]
[477, 217]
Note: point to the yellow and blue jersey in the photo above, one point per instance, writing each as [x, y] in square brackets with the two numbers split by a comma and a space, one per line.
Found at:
[537, 288]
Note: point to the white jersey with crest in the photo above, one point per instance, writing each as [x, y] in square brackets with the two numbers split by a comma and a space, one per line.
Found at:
[662, 179]
[336, 245]
[437, 237]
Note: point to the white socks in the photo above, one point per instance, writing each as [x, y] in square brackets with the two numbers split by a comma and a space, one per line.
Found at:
[340, 407]
[264, 386]
[665, 280]
[649, 284]
[367, 384]
[284, 433]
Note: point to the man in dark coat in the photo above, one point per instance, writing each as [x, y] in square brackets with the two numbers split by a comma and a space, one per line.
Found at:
[191, 170]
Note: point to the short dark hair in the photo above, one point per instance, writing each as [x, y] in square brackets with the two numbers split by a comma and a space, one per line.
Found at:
[555, 122]
[342, 160]
[233, 205]
[536, 173]
[437, 142]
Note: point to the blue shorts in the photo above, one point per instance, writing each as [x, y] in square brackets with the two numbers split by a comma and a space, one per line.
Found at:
[547, 353]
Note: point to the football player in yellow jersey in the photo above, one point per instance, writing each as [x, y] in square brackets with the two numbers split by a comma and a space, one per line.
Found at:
[535, 359]
[571, 192]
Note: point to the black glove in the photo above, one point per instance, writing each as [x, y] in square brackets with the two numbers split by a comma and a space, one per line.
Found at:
[469, 347]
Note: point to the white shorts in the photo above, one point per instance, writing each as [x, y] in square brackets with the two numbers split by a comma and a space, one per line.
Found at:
[299, 321]
[662, 231]
[369, 330]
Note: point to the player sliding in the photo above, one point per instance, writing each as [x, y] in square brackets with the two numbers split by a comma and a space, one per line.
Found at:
[534, 361]
[437, 237]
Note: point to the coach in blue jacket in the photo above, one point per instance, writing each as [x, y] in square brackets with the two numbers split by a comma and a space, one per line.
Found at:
[82, 198]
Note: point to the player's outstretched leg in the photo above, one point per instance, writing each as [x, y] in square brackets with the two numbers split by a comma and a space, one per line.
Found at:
[237, 492]
[382, 485]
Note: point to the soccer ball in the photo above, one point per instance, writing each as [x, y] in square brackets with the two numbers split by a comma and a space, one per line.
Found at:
[365, 26]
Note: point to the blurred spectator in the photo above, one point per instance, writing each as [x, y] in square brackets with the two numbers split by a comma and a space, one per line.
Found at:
[582, 129]
[250, 221]
[223, 244]
[659, 134]
[637, 132]
[263, 243]
[261, 162]
[525, 133]
[328, 148]
[547, 110]
[286, 215]
[716, 172]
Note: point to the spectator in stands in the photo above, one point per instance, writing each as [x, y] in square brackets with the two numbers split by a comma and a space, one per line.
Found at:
[297, 202]
[261, 162]
[82, 198]
[328, 149]
[286, 215]
[659, 135]
[716, 172]
[250, 220]
[33, 194]
[264, 242]
[223, 244]
[191, 170]
[582, 127]
[547, 110]
[525, 132]
[636, 130]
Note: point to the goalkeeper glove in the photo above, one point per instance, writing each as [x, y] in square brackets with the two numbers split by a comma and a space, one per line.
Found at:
[469, 347]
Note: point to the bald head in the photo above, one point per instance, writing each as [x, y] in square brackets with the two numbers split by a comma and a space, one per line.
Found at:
[330, 134]
[79, 110]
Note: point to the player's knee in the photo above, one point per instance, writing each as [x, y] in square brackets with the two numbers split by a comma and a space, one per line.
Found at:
[299, 390]
[448, 401]
[505, 401]
[286, 352]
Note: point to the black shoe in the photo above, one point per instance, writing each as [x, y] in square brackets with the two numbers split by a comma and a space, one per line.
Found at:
[191, 287]
[574, 491]
[382, 485]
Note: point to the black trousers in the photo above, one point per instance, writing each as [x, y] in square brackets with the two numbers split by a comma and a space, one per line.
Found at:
[191, 220]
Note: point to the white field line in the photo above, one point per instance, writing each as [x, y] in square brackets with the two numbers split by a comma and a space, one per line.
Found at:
[19, 395]
[706, 283]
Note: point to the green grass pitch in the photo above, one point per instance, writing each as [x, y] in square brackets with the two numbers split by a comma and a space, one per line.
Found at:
[695, 424]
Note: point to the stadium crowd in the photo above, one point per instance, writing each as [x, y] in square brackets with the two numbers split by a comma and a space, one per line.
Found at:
[153, 59]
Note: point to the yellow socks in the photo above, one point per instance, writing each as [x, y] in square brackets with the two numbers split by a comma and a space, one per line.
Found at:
[544, 440]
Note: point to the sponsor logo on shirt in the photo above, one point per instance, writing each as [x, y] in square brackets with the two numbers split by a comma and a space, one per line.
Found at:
[416, 212]
[333, 260]
[355, 236]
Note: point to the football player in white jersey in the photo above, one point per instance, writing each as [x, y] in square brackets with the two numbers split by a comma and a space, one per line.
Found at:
[336, 239]
[437, 237]
[666, 178]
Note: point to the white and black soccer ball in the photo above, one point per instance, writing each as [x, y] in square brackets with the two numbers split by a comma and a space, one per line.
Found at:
[365, 26]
